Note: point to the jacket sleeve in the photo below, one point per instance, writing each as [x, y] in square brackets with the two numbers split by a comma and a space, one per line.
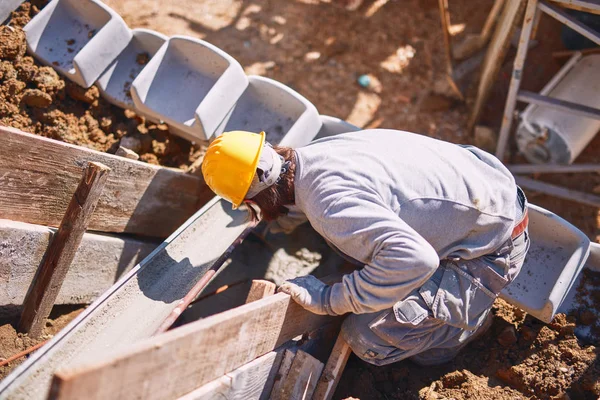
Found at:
[397, 259]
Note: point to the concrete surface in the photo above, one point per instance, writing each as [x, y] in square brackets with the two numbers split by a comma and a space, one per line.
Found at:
[79, 39]
[8, 6]
[287, 117]
[98, 263]
[115, 82]
[191, 85]
[137, 304]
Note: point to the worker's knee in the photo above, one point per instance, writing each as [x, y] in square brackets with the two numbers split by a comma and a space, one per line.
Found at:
[364, 343]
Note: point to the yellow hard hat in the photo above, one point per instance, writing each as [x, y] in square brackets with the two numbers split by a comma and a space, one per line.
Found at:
[230, 164]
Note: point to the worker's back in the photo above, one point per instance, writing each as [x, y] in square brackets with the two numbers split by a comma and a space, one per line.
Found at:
[461, 200]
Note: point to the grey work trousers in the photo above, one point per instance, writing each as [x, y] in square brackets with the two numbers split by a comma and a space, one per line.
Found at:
[436, 321]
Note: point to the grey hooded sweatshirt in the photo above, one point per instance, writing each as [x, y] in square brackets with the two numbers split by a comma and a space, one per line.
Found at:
[399, 203]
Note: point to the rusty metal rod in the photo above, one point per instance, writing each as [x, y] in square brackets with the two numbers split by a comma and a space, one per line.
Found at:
[201, 284]
[22, 354]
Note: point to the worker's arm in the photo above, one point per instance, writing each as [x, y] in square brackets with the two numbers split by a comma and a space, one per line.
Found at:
[397, 259]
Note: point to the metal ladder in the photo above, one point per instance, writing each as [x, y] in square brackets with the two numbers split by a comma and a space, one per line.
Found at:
[532, 15]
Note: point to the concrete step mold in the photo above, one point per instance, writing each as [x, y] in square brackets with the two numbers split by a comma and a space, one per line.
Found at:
[558, 253]
[191, 85]
[287, 117]
[78, 38]
[8, 6]
[115, 82]
[134, 307]
[334, 126]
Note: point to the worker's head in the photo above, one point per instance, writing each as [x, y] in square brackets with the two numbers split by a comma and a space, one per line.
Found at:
[241, 167]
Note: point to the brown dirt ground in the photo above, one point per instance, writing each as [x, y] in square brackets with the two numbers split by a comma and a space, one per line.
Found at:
[12, 342]
[320, 50]
[35, 99]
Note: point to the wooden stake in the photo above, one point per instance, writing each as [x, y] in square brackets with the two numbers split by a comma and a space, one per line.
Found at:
[61, 251]
[302, 377]
[259, 290]
[494, 58]
[333, 370]
[445, 16]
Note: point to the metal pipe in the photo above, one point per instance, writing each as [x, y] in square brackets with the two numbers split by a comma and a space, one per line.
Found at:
[571, 22]
[562, 105]
[515, 82]
[557, 191]
[552, 168]
[201, 284]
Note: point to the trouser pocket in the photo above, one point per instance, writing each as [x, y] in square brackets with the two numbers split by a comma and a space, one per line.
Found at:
[467, 289]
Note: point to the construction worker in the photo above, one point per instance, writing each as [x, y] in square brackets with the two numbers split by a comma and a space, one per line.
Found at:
[439, 230]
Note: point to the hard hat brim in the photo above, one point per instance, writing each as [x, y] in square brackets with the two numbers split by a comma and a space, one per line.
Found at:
[254, 165]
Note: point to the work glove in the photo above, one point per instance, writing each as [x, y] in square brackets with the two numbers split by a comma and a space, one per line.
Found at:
[310, 293]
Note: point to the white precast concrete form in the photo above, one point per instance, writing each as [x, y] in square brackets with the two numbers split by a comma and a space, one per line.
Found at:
[78, 38]
[334, 126]
[191, 85]
[115, 82]
[8, 6]
[287, 117]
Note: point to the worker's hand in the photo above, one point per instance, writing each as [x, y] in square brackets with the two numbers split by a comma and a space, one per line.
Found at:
[310, 293]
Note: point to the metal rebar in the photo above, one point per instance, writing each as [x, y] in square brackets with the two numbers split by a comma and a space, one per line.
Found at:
[563, 105]
[552, 168]
[201, 284]
[571, 22]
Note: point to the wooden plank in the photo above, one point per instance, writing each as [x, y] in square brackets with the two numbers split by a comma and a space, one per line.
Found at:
[177, 362]
[261, 378]
[445, 19]
[99, 261]
[302, 378]
[49, 279]
[284, 369]
[472, 43]
[249, 382]
[259, 290]
[38, 176]
[333, 370]
[558, 191]
[513, 10]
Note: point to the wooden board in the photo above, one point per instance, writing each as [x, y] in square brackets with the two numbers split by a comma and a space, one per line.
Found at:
[510, 17]
[302, 377]
[252, 381]
[61, 251]
[39, 175]
[333, 370]
[181, 360]
[99, 261]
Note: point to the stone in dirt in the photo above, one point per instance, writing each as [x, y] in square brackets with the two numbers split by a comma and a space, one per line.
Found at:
[36, 98]
[12, 43]
[125, 152]
[88, 96]
[48, 80]
[507, 337]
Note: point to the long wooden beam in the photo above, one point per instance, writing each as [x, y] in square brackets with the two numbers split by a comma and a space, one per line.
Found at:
[39, 175]
[98, 263]
[183, 359]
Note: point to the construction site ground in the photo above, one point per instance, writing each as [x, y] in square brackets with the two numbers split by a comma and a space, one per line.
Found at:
[320, 50]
